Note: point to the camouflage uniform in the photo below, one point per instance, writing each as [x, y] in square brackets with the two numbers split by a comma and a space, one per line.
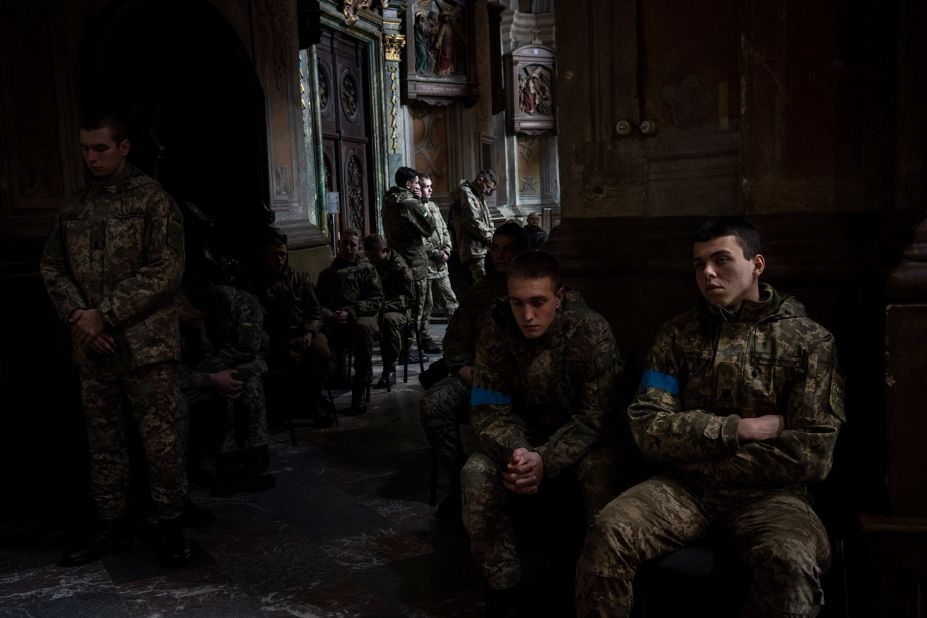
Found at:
[439, 283]
[396, 281]
[536, 236]
[293, 310]
[407, 224]
[473, 225]
[117, 246]
[233, 338]
[557, 395]
[705, 372]
[352, 286]
[447, 403]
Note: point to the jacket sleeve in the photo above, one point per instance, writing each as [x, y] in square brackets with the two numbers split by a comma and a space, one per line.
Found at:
[403, 300]
[662, 429]
[160, 274]
[312, 308]
[461, 335]
[371, 294]
[593, 370]
[498, 430]
[416, 219]
[470, 221]
[805, 450]
[248, 343]
[64, 293]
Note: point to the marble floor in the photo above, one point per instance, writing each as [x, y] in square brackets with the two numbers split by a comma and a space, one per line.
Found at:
[346, 531]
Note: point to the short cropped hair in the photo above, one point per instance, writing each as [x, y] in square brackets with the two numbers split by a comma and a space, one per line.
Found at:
[117, 125]
[404, 175]
[516, 232]
[424, 176]
[350, 232]
[373, 242]
[488, 174]
[748, 237]
[273, 237]
[535, 265]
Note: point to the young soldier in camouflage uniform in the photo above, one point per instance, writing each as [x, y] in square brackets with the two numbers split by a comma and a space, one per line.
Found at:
[407, 224]
[544, 407]
[293, 320]
[350, 294]
[740, 405]
[398, 293]
[536, 234]
[112, 266]
[438, 247]
[447, 403]
[222, 376]
[472, 222]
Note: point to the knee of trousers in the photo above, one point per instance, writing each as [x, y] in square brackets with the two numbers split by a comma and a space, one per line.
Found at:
[480, 474]
[789, 561]
[610, 548]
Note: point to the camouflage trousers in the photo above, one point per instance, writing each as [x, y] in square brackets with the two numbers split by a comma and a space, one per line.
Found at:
[392, 325]
[304, 375]
[777, 534]
[154, 399]
[417, 313]
[488, 505]
[477, 267]
[443, 407]
[439, 291]
[226, 416]
[358, 336]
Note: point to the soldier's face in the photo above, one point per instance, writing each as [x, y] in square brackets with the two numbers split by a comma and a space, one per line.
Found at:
[724, 275]
[275, 257]
[103, 156]
[487, 187]
[347, 247]
[533, 219]
[426, 189]
[376, 255]
[502, 250]
[534, 304]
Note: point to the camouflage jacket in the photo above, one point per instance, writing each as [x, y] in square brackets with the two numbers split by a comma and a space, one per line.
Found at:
[407, 224]
[471, 318]
[232, 339]
[558, 394]
[536, 236]
[707, 370]
[437, 244]
[290, 303]
[397, 283]
[472, 223]
[350, 286]
[117, 246]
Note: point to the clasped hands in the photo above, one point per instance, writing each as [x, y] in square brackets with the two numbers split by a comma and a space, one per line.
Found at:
[87, 328]
[524, 472]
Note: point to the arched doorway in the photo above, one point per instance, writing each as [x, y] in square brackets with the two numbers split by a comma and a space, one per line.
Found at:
[181, 75]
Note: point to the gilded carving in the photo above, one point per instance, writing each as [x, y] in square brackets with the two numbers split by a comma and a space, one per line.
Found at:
[351, 9]
[393, 44]
[394, 107]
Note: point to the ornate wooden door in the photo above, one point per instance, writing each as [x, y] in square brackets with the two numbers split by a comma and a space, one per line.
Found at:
[345, 127]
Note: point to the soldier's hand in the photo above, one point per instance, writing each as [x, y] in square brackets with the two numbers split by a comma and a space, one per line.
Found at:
[86, 324]
[764, 427]
[524, 472]
[103, 343]
[226, 383]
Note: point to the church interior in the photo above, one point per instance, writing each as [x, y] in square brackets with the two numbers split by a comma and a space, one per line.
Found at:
[623, 123]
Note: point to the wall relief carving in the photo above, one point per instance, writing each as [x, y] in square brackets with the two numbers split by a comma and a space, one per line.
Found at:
[530, 78]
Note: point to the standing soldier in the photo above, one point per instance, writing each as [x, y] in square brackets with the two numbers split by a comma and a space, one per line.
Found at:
[438, 246]
[397, 284]
[112, 265]
[407, 224]
[472, 222]
[740, 405]
[545, 410]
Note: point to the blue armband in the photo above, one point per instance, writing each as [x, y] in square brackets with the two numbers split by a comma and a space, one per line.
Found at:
[485, 397]
[661, 381]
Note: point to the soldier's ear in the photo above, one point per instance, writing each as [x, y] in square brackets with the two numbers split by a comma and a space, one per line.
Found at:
[560, 294]
[759, 264]
[124, 146]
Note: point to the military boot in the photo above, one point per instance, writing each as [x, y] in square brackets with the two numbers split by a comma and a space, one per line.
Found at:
[358, 399]
[388, 379]
[173, 549]
[108, 535]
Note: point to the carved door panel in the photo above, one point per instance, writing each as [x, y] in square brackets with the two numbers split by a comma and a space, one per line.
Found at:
[345, 128]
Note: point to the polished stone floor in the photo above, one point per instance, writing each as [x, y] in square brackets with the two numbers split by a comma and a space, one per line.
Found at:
[346, 531]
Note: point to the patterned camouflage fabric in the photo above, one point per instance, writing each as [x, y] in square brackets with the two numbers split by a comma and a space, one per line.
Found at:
[472, 223]
[397, 283]
[232, 339]
[707, 370]
[407, 224]
[117, 246]
[439, 283]
[352, 286]
[447, 403]
[557, 395]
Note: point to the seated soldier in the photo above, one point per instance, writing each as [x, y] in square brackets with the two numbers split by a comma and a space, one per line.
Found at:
[536, 234]
[293, 320]
[447, 403]
[545, 409]
[398, 293]
[350, 293]
[740, 405]
[223, 362]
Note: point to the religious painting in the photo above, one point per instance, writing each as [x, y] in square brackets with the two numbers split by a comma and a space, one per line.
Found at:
[439, 59]
[531, 99]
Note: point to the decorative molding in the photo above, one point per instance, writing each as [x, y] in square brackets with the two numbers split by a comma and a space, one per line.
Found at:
[394, 107]
[276, 43]
[393, 44]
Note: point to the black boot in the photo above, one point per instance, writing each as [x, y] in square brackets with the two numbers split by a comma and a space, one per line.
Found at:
[358, 400]
[108, 535]
[388, 378]
[172, 544]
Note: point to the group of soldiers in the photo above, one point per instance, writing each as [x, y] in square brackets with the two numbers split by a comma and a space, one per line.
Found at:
[738, 408]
